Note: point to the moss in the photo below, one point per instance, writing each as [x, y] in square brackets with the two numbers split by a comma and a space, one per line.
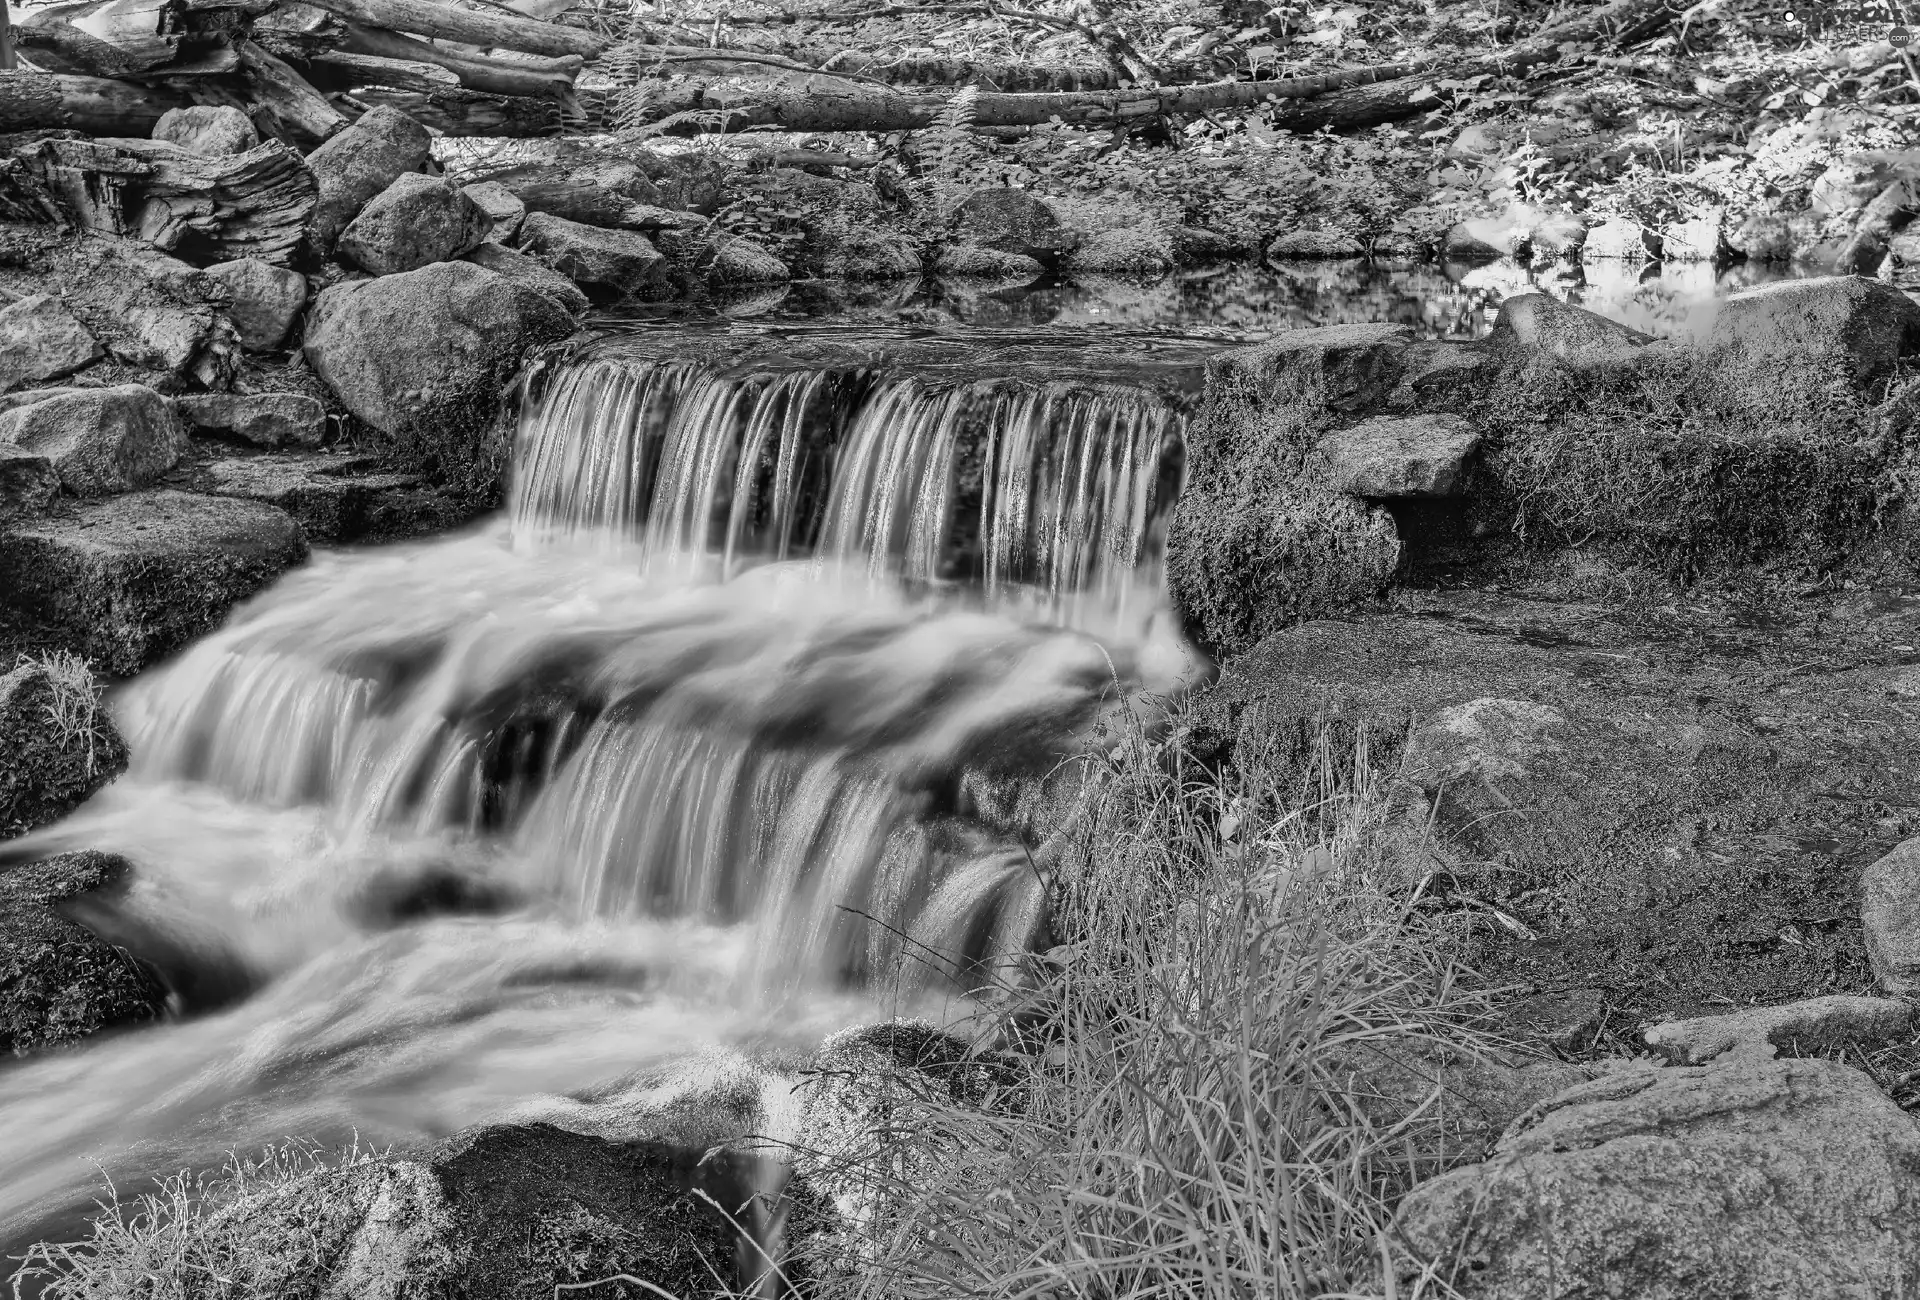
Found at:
[1662, 458]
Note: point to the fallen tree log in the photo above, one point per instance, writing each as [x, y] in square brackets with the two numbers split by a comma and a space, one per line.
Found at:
[551, 80]
[344, 70]
[114, 40]
[491, 29]
[32, 101]
[283, 103]
[203, 208]
[469, 113]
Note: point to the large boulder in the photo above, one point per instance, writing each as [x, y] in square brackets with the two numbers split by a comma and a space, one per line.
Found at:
[207, 129]
[1409, 456]
[271, 420]
[359, 163]
[1804, 333]
[1544, 323]
[424, 357]
[515, 265]
[60, 983]
[99, 440]
[1012, 221]
[134, 577]
[1749, 1180]
[618, 262]
[40, 340]
[742, 261]
[263, 300]
[415, 221]
[57, 745]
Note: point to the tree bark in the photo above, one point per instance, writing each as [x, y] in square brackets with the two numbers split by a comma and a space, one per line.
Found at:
[491, 29]
[344, 70]
[468, 113]
[283, 103]
[551, 81]
[204, 208]
[40, 101]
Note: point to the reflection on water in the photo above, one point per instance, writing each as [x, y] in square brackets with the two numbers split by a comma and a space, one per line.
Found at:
[1443, 300]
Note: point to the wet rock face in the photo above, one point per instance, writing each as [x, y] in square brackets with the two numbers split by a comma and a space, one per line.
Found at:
[57, 745]
[41, 340]
[207, 129]
[1757, 1179]
[58, 982]
[423, 357]
[134, 577]
[264, 300]
[620, 263]
[359, 163]
[99, 440]
[415, 221]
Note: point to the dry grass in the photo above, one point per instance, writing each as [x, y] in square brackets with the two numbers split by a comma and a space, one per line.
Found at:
[73, 709]
[1187, 1124]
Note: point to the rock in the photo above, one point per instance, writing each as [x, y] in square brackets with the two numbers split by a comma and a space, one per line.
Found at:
[271, 420]
[1314, 245]
[1475, 241]
[1478, 1094]
[1849, 183]
[334, 498]
[968, 261]
[58, 982]
[1558, 235]
[1847, 327]
[1621, 240]
[137, 576]
[1792, 1179]
[1130, 250]
[515, 265]
[41, 340]
[876, 255]
[1348, 367]
[57, 744]
[412, 223]
[622, 262]
[100, 440]
[693, 180]
[502, 207]
[507, 1211]
[1012, 221]
[424, 356]
[1566, 1021]
[1813, 1025]
[28, 484]
[1538, 320]
[1890, 913]
[170, 339]
[263, 300]
[1401, 456]
[207, 129]
[1764, 237]
[741, 261]
[1698, 239]
[358, 163]
[1194, 244]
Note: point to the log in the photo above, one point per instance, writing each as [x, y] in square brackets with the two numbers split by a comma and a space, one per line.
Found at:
[491, 29]
[553, 80]
[127, 39]
[40, 101]
[469, 113]
[343, 70]
[203, 208]
[283, 103]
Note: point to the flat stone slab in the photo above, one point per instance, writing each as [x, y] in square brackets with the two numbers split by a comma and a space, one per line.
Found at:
[1815, 1024]
[1401, 456]
[138, 576]
[334, 498]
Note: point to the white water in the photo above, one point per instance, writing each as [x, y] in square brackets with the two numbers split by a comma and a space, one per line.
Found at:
[682, 738]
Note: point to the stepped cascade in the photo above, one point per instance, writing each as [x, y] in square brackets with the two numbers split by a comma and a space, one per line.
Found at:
[685, 748]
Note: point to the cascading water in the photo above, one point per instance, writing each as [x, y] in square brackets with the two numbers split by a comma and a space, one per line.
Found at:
[667, 767]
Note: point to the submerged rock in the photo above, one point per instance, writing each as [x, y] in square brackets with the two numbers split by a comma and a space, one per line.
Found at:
[621, 262]
[264, 300]
[415, 221]
[136, 576]
[1813, 1025]
[41, 340]
[58, 982]
[57, 745]
[99, 440]
[360, 162]
[1790, 1179]
[424, 356]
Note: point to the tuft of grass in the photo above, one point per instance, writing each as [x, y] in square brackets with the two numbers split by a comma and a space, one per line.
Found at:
[173, 1243]
[73, 705]
[1234, 952]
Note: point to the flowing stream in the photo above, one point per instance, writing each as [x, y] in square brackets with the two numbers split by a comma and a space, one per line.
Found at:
[673, 765]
